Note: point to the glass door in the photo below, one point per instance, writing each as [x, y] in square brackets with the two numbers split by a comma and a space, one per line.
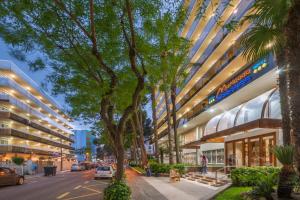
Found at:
[254, 151]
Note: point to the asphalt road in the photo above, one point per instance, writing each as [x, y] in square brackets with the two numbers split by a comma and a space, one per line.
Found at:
[65, 186]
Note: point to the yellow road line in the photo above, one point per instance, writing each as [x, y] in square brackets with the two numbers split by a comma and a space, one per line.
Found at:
[63, 195]
[87, 195]
[77, 187]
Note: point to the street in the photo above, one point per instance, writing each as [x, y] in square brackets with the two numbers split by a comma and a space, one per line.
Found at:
[65, 186]
[75, 185]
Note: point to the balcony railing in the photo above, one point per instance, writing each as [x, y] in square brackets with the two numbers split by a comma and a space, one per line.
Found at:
[30, 110]
[28, 136]
[6, 81]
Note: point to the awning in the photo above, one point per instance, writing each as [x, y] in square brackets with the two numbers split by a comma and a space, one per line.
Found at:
[219, 136]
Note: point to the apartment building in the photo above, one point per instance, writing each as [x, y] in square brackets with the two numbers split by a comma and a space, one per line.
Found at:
[32, 124]
[228, 108]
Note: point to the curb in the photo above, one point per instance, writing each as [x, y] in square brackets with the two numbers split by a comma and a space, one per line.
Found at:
[136, 171]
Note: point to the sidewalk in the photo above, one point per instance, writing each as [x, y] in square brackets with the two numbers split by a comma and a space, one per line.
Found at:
[183, 190]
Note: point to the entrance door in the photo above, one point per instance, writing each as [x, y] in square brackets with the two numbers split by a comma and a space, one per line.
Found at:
[268, 158]
[254, 152]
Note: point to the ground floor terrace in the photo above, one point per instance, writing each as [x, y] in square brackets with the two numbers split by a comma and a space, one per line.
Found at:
[241, 136]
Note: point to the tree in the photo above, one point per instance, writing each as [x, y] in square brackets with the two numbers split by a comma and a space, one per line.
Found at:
[154, 120]
[173, 60]
[97, 52]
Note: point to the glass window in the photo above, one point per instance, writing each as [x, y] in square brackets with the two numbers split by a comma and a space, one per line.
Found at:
[220, 156]
[252, 109]
[274, 111]
[227, 121]
[211, 126]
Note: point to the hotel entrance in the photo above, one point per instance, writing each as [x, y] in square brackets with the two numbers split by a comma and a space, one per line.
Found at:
[252, 151]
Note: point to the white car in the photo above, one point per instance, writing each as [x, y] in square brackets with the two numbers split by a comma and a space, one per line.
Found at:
[104, 172]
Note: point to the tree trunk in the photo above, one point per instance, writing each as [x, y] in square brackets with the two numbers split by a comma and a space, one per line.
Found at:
[283, 98]
[173, 100]
[161, 156]
[285, 182]
[292, 57]
[140, 137]
[169, 127]
[154, 122]
[120, 157]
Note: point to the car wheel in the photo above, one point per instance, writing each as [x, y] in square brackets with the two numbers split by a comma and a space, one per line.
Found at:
[20, 181]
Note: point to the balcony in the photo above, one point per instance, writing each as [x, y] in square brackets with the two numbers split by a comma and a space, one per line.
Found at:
[31, 137]
[15, 117]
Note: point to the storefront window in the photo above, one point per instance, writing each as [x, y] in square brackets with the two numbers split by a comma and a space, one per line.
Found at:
[214, 156]
[220, 156]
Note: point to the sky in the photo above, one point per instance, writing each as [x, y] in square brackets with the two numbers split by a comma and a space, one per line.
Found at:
[38, 77]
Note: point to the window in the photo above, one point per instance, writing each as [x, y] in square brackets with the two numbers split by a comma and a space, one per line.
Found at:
[214, 156]
[3, 141]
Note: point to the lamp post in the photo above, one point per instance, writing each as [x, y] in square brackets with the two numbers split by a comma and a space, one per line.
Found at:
[61, 156]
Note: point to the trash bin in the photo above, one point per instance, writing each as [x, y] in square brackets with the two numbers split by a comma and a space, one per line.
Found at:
[54, 170]
[50, 170]
[46, 171]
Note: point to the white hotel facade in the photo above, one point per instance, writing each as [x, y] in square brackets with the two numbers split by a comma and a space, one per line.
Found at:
[32, 124]
[228, 108]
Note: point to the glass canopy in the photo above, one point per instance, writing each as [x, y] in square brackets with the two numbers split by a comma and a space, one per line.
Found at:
[266, 105]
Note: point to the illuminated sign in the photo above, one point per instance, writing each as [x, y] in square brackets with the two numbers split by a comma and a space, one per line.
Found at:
[239, 81]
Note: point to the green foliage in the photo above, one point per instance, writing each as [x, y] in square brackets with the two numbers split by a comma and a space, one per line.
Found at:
[18, 160]
[268, 17]
[249, 176]
[117, 190]
[264, 186]
[285, 154]
[233, 193]
[158, 168]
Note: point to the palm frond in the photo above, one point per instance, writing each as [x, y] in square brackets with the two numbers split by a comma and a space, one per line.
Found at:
[260, 41]
[285, 154]
[272, 12]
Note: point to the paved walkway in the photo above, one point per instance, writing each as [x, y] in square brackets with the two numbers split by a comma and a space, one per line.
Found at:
[149, 188]
[183, 190]
[141, 189]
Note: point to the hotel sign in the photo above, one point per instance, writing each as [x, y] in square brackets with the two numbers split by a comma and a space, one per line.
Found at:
[242, 79]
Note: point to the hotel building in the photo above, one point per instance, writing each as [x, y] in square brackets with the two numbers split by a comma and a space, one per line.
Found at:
[228, 108]
[32, 124]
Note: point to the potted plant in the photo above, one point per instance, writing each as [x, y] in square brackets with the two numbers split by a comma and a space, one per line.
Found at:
[285, 155]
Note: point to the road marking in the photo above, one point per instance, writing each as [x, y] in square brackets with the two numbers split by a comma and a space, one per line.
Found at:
[77, 187]
[86, 182]
[98, 184]
[92, 190]
[63, 195]
[87, 195]
[32, 182]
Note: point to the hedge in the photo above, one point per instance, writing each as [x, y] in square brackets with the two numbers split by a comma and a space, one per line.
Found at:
[249, 176]
[157, 168]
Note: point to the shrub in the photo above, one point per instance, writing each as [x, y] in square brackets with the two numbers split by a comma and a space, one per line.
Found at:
[249, 176]
[117, 190]
[18, 160]
[264, 187]
[180, 168]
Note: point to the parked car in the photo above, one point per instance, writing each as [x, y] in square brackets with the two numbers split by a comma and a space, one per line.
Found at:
[10, 177]
[76, 167]
[86, 165]
[104, 172]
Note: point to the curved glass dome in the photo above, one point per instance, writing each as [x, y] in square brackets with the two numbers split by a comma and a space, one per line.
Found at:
[252, 110]
[227, 121]
[273, 110]
[247, 112]
[211, 126]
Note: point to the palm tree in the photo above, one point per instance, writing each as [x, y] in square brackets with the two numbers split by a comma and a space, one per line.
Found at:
[285, 156]
[276, 30]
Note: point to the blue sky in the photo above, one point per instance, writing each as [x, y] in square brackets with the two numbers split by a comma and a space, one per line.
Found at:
[38, 77]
